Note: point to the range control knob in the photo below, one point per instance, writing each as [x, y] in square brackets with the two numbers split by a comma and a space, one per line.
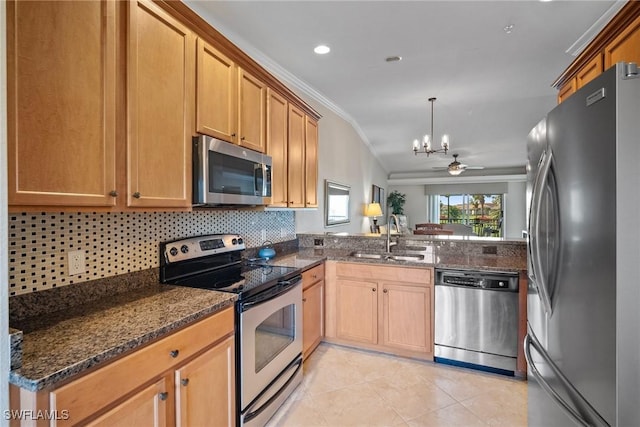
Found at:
[173, 251]
[234, 241]
[184, 249]
[240, 241]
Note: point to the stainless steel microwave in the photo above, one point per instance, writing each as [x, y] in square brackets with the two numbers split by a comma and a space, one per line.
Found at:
[227, 174]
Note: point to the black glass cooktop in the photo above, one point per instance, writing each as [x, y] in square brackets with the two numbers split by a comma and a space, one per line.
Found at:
[241, 279]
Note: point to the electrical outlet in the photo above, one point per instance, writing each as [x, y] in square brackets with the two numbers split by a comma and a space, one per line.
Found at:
[76, 262]
[318, 242]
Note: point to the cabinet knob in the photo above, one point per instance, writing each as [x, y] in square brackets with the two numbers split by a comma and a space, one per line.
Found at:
[242, 138]
[113, 193]
[304, 300]
[136, 195]
[184, 381]
[233, 134]
[314, 276]
[163, 395]
[385, 291]
[373, 289]
[174, 353]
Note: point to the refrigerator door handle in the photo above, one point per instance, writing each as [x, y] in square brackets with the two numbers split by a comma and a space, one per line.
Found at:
[596, 419]
[538, 277]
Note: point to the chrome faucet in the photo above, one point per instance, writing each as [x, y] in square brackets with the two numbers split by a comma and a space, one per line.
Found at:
[389, 242]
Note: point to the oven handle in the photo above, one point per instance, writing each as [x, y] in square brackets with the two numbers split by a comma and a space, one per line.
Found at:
[280, 288]
[250, 415]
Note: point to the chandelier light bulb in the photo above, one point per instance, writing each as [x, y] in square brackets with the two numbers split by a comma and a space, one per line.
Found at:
[426, 142]
[445, 141]
[416, 145]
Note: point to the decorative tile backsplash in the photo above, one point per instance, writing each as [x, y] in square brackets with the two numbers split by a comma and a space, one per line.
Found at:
[117, 243]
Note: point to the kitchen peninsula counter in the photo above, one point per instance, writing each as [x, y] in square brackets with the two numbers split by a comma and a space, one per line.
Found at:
[60, 344]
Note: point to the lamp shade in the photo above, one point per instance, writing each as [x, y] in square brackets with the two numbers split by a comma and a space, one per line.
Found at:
[373, 209]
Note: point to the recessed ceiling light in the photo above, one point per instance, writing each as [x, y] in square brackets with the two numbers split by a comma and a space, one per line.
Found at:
[508, 29]
[393, 58]
[322, 49]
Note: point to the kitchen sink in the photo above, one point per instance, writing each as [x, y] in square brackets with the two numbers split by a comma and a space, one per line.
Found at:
[388, 257]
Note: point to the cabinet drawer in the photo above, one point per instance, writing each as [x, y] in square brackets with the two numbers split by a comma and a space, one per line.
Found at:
[385, 273]
[312, 276]
[106, 385]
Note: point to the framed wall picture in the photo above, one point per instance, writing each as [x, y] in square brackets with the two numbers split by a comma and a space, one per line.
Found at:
[377, 196]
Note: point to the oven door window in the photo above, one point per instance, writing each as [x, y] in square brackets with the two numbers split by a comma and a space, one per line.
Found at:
[231, 175]
[274, 335]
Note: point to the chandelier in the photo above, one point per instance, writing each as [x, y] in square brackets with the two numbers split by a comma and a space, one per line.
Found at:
[425, 147]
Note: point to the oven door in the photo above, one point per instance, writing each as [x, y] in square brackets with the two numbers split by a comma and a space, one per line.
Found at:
[270, 336]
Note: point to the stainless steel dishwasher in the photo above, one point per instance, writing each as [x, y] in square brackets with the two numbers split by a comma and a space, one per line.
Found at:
[476, 319]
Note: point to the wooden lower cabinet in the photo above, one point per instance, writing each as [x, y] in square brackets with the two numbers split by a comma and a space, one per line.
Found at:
[210, 374]
[148, 407]
[312, 309]
[380, 307]
[186, 378]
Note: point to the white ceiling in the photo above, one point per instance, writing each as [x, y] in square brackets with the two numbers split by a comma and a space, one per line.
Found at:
[492, 87]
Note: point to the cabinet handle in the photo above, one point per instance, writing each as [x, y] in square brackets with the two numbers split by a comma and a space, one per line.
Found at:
[385, 291]
[113, 193]
[242, 138]
[373, 289]
[314, 276]
[163, 395]
[304, 300]
[174, 353]
[184, 381]
[136, 195]
[233, 134]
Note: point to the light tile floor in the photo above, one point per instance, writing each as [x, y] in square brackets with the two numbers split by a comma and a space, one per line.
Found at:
[348, 387]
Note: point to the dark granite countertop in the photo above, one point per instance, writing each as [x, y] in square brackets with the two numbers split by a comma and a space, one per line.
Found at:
[431, 259]
[62, 344]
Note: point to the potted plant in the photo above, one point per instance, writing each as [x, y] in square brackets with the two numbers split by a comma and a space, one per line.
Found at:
[397, 200]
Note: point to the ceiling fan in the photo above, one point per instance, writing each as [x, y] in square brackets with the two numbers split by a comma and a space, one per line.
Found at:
[456, 168]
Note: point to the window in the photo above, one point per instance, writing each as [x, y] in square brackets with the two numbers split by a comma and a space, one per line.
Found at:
[483, 212]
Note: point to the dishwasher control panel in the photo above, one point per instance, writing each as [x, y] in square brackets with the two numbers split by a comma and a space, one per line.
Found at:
[477, 279]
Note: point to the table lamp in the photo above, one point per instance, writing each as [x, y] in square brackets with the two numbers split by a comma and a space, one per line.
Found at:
[373, 210]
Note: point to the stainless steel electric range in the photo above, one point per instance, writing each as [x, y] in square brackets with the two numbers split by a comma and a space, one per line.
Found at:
[268, 316]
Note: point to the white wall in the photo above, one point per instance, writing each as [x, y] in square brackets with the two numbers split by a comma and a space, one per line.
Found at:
[4, 242]
[344, 158]
[515, 210]
[416, 206]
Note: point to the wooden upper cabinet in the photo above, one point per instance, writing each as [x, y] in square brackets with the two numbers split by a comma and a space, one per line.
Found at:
[160, 77]
[61, 70]
[311, 163]
[625, 47]
[590, 71]
[252, 112]
[567, 90]
[296, 160]
[216, 110]
[277, 108]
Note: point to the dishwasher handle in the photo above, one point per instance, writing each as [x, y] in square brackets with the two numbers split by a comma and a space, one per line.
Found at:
[489, 282]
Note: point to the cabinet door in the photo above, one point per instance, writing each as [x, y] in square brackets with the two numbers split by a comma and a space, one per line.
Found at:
[61, 68]
[406, 313]
[216, 93]
[160, 73]
[277, 108]
[296, 160]
[151, 407]
[205, 388]
[311, 163]
[252, 112]
[312, 317]
[357, 310]
[625, 47]
[568, 89]
[589, 72]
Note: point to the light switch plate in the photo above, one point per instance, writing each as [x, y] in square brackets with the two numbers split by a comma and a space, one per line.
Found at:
[76, 262]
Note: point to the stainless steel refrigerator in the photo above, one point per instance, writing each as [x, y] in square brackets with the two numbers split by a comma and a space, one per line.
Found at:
[583, 196]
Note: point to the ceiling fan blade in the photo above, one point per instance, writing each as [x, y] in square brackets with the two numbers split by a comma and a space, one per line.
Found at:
[474, 167]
